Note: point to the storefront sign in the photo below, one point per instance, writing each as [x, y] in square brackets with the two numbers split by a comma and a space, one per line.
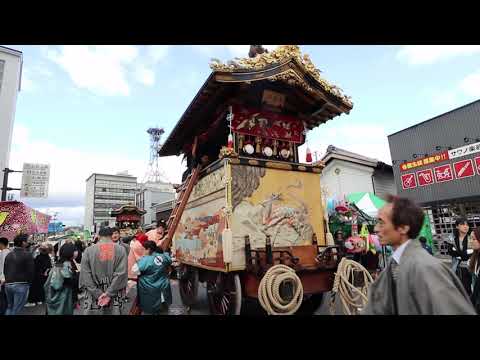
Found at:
[425, 177]
[464, 151]
[477, 164]
[409, 181]
[435, 158]
[443, 173]
[464, 169]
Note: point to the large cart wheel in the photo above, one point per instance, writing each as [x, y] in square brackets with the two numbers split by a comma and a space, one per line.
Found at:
[224, 292]
[188, 284]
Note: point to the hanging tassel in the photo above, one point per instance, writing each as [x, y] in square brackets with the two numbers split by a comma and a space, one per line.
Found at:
[309, 155]
[230, 141]
[240, 142]
[258, 149]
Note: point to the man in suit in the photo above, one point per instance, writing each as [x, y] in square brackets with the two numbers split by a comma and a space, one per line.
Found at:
[414, 282]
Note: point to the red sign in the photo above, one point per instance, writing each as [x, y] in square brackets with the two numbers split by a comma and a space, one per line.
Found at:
[464, 169]
[409, 181]
[432, 159]
[477, 164]
[425, 177]
[128, 217]
[443, 173]
[267, 125]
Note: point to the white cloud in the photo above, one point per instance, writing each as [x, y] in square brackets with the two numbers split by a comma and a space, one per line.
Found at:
[157, 52]
[27, 83]
[240, 51]
[144, 75]
[470, 85]
[366, 140]
[429, 54]
[447, 98]
[100, 69]
[71, 167]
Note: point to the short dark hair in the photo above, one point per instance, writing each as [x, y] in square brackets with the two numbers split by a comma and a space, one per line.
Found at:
[115, 228]
[406, 212]
[151, 245]
[461, 220]
[66, 252]
[105, 231]
[4, 241]
[20, 239]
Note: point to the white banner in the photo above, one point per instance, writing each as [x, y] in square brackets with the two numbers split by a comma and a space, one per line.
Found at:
[35, 180]
[464, 151]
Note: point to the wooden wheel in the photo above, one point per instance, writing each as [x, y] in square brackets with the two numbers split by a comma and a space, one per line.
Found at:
[188, 284]
[224, 294]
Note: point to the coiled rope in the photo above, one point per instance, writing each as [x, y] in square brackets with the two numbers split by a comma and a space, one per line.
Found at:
[353, 298]
[269, 291]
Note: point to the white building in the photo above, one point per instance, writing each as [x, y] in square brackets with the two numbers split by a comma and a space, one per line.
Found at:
[346, 172]
[150, 195]
[10, 79]
[104, 193]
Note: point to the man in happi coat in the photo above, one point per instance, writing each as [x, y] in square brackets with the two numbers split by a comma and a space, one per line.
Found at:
[413, 282]
[104, 277]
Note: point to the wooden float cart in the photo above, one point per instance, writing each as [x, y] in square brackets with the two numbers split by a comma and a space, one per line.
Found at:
[250, 117]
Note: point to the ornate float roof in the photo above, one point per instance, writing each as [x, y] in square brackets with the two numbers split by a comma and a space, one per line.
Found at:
[281, 55]
[285, 66]
[127, 209]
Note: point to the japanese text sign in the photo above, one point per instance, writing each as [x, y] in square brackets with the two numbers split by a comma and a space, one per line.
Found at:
[435, 158]
[464, 151]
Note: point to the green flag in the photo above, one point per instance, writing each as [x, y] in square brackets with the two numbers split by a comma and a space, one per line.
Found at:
[426, 231]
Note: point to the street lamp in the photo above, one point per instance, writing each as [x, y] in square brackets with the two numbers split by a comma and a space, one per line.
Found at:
[438, 147]
[416, 155]
[467, 139]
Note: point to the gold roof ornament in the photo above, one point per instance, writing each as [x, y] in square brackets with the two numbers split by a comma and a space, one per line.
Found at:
[281, 55]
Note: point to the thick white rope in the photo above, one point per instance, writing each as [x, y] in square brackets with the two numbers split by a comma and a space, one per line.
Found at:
[269, 291]
[353, 299]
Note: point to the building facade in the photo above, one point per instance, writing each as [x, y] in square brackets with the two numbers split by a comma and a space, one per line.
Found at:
[437, 163]
[105, 193]
[150, 195]
[346, 172]
[10, 79]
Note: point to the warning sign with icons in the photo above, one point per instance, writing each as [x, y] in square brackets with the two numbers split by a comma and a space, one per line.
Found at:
[477, 164]
[464, 169]
[443, 173]
[425, 177]
[409, 181]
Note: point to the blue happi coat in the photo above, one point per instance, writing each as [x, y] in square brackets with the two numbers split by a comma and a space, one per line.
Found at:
[153, 282]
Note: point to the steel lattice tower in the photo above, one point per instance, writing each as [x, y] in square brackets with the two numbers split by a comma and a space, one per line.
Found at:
[153, 173]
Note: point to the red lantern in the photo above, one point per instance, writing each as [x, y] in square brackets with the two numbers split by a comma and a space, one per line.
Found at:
[309, 155]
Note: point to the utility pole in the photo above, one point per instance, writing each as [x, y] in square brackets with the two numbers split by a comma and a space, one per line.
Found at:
[5, 187]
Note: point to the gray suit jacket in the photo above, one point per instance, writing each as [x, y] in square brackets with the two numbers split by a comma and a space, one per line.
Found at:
[425, 286]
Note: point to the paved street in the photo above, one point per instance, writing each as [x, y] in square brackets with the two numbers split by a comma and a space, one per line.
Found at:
[201, 308]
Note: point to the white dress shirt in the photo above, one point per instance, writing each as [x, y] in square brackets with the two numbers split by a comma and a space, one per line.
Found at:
[397, 254]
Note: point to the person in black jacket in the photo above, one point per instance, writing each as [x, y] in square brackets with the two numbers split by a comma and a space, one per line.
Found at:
[19, 271]
[43, 264]
[460, 251]
[474, 267]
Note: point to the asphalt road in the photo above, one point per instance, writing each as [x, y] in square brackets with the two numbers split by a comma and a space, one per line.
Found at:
[177, 308]
[201, 308]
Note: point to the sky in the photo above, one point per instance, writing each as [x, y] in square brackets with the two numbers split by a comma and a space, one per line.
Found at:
[85, 109]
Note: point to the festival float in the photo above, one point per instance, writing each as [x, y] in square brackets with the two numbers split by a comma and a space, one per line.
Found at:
[17, 218]
[127, 217]
[251, 218]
